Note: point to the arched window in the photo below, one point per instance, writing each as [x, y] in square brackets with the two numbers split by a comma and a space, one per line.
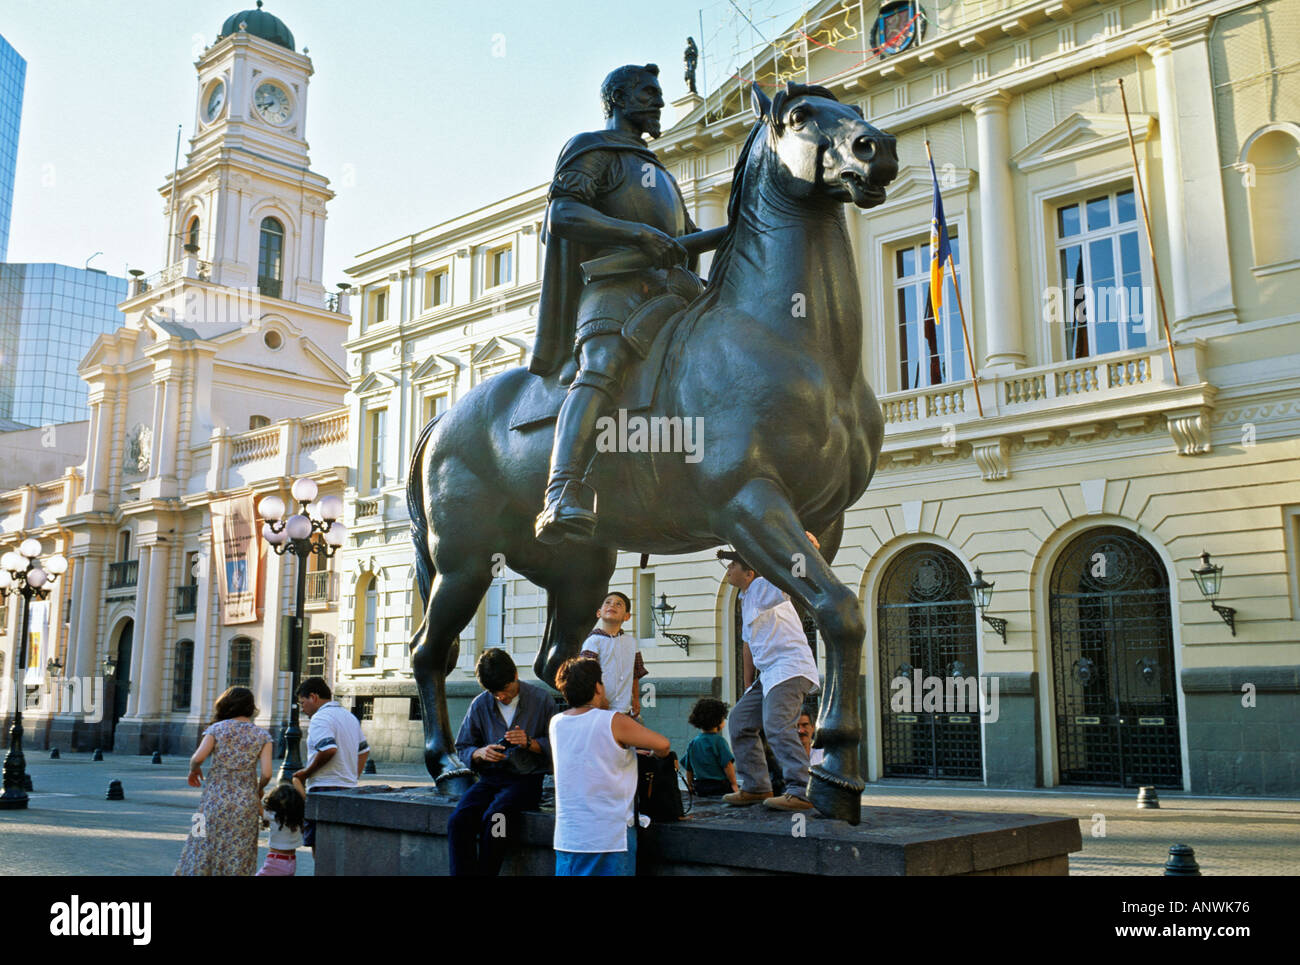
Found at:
[270, 258]
[239, 667]
[1271, 173]
[183, 675]
[192, 232]
[258, 421]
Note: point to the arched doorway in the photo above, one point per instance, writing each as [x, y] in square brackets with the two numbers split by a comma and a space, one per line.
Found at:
[1116, 697]
[926, 623]
[120, 678]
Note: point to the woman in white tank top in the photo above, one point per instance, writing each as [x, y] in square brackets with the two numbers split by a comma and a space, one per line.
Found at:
[595, 776]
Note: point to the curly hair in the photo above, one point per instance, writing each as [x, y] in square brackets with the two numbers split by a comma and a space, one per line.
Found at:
[708, 713]
[287, 805]
[621, 78]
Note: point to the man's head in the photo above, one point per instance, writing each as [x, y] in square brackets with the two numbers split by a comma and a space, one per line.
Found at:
[739, 573]
[805, 729]
[497, 674]
[633, 93]
[580, 681]
[313, 693]
[616, 608]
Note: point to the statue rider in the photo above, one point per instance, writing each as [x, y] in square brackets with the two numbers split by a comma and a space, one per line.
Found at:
[610, 193]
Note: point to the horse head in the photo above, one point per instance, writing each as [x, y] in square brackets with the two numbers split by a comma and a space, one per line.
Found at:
[824, 147]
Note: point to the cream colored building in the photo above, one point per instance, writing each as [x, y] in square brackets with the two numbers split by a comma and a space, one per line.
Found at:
[1094, 478]
[225, 382]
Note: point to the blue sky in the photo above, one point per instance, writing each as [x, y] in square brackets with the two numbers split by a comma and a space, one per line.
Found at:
[413, 115]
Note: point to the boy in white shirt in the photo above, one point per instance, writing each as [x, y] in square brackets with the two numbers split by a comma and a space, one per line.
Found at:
[620, 659]
[777, 648]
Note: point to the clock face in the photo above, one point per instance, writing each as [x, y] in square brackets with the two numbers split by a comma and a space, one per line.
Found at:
[272, 103]
[216, 100]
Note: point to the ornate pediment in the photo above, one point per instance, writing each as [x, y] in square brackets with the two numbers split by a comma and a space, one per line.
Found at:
[376, 383]
[1079, 135]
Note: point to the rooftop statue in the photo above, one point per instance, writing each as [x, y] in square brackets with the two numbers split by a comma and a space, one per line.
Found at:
[766, 359]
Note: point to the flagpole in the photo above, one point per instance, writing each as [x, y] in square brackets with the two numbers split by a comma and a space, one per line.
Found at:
[961, 312]
[1146, 219]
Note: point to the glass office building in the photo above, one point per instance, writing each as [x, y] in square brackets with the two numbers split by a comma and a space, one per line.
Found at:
[49, 317]
[13, 72]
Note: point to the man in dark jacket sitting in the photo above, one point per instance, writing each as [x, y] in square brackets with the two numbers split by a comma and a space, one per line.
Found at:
[504, 739]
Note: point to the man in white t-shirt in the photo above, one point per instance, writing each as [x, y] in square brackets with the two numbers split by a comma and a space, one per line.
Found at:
[618, 654]
[336, 747]
[780, 672]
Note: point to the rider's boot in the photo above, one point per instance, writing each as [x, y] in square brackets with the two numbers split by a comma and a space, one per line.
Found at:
[565, 516]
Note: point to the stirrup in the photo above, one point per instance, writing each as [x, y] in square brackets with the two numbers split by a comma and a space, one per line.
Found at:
[565, 517]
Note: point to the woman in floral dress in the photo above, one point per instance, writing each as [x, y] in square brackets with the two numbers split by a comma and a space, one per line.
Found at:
[224, 842]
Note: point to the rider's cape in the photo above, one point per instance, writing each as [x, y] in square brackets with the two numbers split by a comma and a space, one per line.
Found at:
[562, 272]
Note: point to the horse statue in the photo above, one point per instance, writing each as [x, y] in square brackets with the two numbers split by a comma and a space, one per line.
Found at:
[770, 356]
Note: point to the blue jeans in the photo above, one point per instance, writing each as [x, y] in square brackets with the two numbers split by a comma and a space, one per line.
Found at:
[606, 864]
[476, 838]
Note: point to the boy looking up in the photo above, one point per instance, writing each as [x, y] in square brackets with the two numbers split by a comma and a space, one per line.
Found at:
[617, 653]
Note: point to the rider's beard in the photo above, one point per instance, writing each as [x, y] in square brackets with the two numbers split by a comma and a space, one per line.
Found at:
[648, 121]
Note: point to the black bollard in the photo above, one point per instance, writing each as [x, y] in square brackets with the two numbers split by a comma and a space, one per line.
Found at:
[157, 758]
[54, 753]
[98, 755]
[370, 766]
[1182, 862]
[1147, 797]
[115, 791]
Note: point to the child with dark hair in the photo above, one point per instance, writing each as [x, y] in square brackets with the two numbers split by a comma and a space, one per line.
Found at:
[595, 775]
[618, 652]
[710, 766]
[285, 805]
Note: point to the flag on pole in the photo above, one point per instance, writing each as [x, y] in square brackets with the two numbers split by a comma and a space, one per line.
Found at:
[940, 250]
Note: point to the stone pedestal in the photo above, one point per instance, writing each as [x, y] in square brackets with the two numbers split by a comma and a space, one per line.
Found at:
[402, 831]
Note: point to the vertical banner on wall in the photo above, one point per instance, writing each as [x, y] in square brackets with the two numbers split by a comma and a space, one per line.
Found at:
[234, 544]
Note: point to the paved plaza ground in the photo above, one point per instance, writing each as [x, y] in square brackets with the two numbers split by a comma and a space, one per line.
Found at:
[69, 828]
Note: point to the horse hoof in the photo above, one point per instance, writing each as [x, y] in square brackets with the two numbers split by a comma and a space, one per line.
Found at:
[836, 797]
[454, 783]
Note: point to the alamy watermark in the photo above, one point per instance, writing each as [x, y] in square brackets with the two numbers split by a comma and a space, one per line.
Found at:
[639, 433]
[80, 696]
[912, 692]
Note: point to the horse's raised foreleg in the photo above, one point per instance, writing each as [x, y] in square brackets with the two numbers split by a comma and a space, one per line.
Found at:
[764, 528]
[452, 604]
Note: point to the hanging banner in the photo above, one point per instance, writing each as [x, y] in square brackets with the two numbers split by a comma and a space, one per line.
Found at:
[39, 626]
[235, 548]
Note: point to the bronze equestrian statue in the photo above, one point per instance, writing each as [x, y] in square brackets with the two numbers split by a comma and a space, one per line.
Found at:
[769, 355]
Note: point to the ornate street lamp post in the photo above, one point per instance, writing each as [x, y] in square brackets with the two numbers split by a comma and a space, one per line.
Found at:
[294, 535]
[22, 573]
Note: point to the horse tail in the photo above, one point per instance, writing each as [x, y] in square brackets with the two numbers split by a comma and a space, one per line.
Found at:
[424, 569]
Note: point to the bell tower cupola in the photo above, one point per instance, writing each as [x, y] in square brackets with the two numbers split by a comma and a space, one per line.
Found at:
[246, 196]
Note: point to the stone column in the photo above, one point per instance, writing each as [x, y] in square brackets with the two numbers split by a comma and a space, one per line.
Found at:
[999, 249]
[90, 572]
[153, 640]
[1175, 213]
[143, 593]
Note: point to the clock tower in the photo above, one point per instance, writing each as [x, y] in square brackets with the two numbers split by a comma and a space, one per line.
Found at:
[246, 196]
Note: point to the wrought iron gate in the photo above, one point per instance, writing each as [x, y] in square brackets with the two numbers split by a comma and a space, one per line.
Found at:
[1113, 664]
[926, 624]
